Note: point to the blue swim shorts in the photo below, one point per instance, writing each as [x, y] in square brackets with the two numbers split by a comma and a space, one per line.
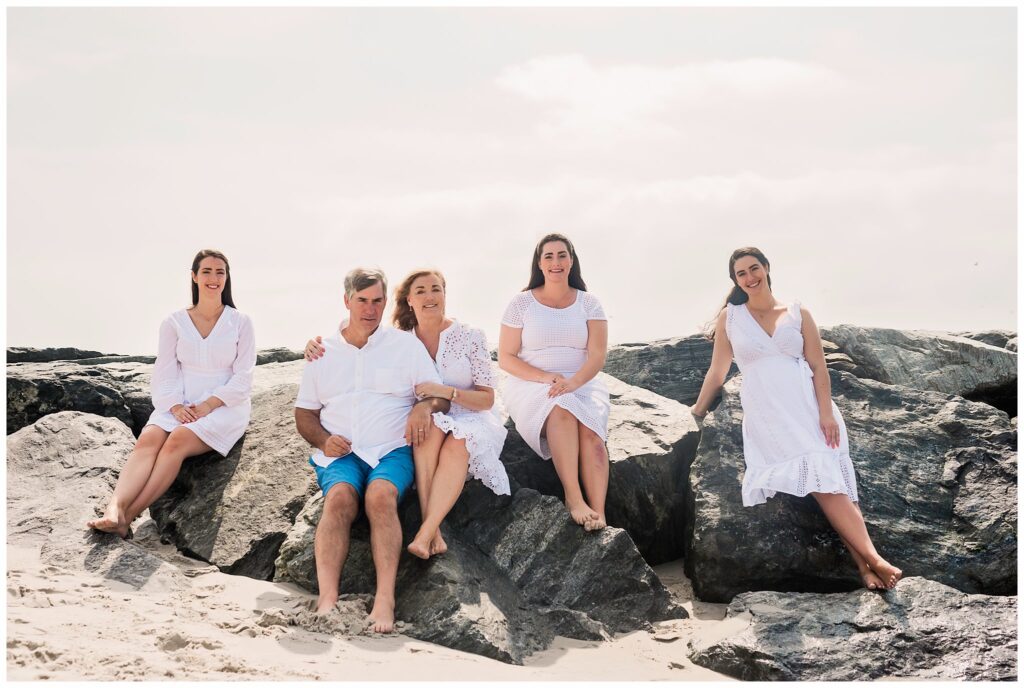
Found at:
[396, 467]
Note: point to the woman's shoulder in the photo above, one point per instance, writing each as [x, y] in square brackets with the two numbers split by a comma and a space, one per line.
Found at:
[585, 298]
[523, 298]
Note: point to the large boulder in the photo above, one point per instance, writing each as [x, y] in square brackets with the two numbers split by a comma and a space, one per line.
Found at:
[651, 441]
[60, 470]
[930, 361]
[1004, 339]
[937, 480]
[517, 572]
[673, 368]
[919, 630]
[234, 511]
[24, 354]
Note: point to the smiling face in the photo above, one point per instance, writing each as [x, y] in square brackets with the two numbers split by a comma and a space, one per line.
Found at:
[426, 297]
[212, 276]
[366, 308]
[750, 275]
[555, 261]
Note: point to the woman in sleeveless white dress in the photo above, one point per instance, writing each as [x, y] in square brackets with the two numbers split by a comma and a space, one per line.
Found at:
[794, 438]
[554, 338]
[467, 440]
[201, 384]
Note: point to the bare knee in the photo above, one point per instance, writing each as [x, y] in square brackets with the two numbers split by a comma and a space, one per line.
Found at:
[454, 450]
[559, 420]
[592, 447]
[381, 500]
[341, 503]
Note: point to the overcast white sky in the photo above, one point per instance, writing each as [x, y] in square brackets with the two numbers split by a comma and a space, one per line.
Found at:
[870, 153]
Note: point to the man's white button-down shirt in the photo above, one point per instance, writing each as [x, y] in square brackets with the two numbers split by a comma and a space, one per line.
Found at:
[365, 395]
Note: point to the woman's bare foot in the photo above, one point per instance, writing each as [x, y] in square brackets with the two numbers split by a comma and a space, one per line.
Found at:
[871, 581]
[887, 573]
[438, 545]
[420, 546]
[595, 523]
[581, 512]
[382, 616]
[112, 521]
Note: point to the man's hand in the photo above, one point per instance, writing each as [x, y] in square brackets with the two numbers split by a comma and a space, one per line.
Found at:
[418, 425]
[336, 446]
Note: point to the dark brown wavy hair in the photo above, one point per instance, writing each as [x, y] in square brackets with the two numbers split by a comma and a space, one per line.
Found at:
[225, 294]
[736, 295]
[403, 316]
[575, 275]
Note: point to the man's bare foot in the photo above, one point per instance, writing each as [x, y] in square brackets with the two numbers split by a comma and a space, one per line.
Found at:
[438, 545]
[871, 581]
[581, 512]
[325, 604]
[382, 616]
[887, 573]
[419, 547]
[112, 521]
[595, 523]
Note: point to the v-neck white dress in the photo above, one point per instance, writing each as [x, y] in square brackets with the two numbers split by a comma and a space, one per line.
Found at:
[463, 360]
[554, 340]
[783, 446]
[190, 369]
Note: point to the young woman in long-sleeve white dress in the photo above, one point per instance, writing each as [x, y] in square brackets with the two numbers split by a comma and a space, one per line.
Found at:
[201, 388]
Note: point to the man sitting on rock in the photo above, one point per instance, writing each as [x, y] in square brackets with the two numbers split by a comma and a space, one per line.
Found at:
[357, 406]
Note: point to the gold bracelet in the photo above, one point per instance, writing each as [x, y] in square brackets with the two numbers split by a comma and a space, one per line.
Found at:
[455, 393]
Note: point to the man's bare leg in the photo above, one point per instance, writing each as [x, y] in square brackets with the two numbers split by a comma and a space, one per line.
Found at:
[594, 474]
[341, 506]
[133, 477]
[386, 545]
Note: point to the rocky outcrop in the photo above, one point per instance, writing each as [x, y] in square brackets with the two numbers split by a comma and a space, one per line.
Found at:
[1004, 339]
[114, 386]
[234, 511]
[930, 361]
[919, 630]
[517, 572]
[937, 479]
[673, 368]
[59, 470]
[23, 354]
[651, 441]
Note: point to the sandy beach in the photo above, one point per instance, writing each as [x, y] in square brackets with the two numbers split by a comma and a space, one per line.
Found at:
[192, 622]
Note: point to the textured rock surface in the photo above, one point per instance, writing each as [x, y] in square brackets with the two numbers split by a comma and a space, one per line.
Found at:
[937, 479]
[1004, 339]
[517, 572]
[277, 355]
[673, 368]
[234, 511]
[650, 442]
[921, 630]
[930, 361]
[59, 470]
[22, 354]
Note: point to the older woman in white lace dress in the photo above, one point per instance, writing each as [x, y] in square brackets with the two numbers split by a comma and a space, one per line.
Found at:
[466, 441]
[554, 339]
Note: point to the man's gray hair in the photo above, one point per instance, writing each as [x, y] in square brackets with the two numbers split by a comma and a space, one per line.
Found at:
[361, 278]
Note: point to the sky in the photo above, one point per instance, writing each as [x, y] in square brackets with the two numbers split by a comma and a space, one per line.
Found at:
[869, 153]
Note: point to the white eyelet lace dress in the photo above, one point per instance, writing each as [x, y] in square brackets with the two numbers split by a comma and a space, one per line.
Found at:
[190, 369]
[463, 361]
[783, 446]
[555, 340]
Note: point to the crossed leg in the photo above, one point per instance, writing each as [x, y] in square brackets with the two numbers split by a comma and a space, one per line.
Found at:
[562, 431]
[848, 522]
[137, 469]
[180, 445]
[425, 458]
[448, 481]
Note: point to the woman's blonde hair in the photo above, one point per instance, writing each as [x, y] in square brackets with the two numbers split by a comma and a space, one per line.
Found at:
[403, 317]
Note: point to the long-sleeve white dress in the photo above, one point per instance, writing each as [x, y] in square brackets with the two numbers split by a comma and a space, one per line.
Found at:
[463, 361]
[190, 369]
[554, 340]
[783, 445]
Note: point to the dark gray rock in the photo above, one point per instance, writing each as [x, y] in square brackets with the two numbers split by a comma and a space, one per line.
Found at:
[234, 511]
[651, 441]
[937, 480]
[24, 354]
[277, 355]
[919, 630]
[929, 361]
[673, 368]
[1004, 339]
[517, 572]
[60, 470]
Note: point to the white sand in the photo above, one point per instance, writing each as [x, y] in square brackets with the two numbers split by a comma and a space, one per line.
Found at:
[71, 624]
